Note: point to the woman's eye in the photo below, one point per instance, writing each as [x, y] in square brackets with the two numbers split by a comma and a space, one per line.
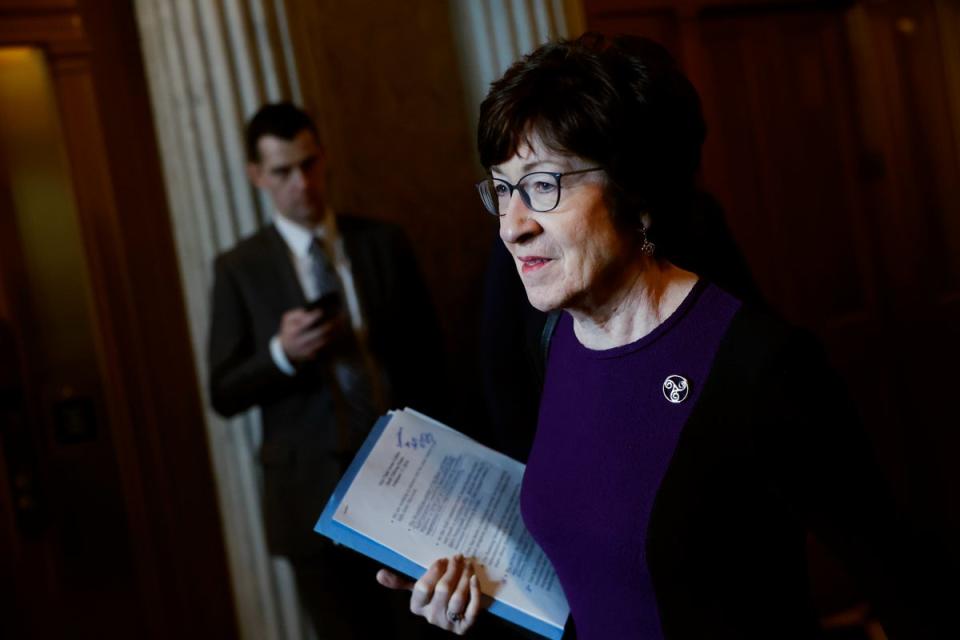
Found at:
[501, 189]
[544, 187]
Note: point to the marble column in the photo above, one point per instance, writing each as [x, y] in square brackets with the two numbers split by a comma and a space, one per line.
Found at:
[210, 64]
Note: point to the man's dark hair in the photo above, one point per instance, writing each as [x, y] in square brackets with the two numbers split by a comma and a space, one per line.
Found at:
[283, 120]
[621, 103]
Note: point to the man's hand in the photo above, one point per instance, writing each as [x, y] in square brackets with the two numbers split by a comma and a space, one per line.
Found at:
[304, 334]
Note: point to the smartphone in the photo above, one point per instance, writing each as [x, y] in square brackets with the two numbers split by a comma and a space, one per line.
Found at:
[330, 303]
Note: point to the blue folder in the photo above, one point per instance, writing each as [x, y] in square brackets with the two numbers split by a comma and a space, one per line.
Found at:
[348, 537]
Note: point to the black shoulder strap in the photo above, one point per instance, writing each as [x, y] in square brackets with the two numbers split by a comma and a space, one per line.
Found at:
[545, 336]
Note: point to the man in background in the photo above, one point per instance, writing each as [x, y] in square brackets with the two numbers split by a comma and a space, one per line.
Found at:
[323, 322]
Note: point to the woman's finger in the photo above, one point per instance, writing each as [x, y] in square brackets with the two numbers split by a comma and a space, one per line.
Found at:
[476, 600]
[460, 596]
[393, 581]
[423, 589]
[437, 613]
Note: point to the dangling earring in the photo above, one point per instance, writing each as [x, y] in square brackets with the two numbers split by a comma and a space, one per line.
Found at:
[646, 247]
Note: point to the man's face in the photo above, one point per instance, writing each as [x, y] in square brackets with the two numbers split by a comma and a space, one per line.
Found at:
[292, 174]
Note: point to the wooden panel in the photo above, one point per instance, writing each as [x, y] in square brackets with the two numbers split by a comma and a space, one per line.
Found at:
[659, 25]
[59, 33]
[911, 125]
[25, 6]
[931, 165]
[598, 8]
[786, 171]
[947, 17]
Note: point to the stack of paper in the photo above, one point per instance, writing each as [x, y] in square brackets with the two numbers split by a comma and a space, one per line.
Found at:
[419, 490]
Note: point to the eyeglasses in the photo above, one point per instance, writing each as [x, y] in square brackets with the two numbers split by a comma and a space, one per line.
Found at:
[539, 190]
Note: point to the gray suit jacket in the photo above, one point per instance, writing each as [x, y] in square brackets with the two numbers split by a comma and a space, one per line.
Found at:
[303, 454]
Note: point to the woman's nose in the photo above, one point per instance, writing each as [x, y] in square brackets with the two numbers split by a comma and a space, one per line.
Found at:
[517, 223]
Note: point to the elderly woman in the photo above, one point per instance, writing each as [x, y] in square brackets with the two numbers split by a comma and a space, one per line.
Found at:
[686, 440]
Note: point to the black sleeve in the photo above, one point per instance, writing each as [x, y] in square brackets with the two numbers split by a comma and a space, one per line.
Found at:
[419, 370]
[712, 251]
[822, 462]
[509, 357]
[242, 373]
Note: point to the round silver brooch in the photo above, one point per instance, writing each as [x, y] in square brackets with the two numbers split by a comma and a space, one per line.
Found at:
[676, 389]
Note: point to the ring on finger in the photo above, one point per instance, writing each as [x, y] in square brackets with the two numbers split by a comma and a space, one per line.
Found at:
[454, 616]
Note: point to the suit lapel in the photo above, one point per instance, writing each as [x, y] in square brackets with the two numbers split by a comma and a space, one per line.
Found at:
[287, 285]
[361, 269]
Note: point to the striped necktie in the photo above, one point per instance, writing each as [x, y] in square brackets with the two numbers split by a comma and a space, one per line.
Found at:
[355, 393]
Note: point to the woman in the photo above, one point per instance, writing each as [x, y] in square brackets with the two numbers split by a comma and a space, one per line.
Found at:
[686, 441]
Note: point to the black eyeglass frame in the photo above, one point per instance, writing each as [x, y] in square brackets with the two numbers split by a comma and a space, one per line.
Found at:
[523, 194]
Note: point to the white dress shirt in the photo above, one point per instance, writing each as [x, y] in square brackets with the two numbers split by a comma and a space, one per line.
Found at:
[298, 240]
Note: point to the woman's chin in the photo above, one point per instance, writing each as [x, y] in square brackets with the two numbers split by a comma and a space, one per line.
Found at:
[545, 301]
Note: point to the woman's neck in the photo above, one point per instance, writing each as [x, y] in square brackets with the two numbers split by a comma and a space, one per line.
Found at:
[647, 296]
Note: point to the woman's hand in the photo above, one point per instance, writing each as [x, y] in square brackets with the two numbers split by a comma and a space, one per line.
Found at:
[447, 595]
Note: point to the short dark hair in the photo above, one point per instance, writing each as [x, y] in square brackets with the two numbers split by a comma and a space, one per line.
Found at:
[283, 120]
[621, 103]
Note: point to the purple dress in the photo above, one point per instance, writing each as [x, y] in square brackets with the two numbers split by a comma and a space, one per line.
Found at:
[609, 423]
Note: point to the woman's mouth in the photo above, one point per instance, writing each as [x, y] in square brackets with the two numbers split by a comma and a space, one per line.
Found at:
[529, 264]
